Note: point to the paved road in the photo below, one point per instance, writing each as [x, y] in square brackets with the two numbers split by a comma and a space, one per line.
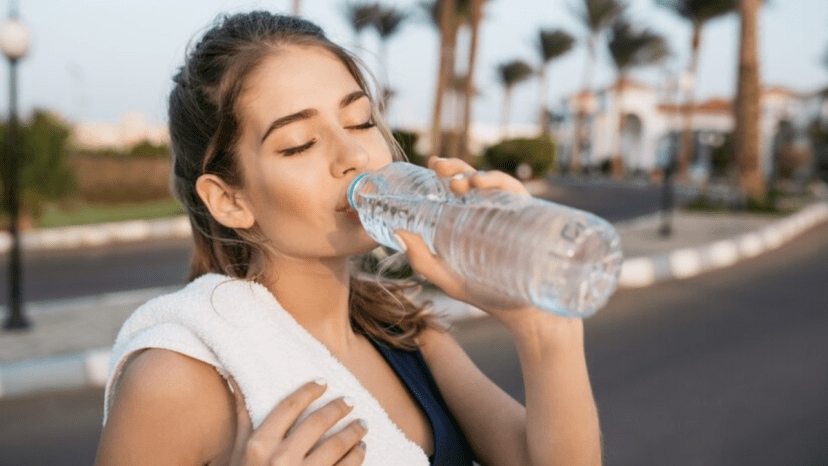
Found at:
[727, 368]
[52, 275]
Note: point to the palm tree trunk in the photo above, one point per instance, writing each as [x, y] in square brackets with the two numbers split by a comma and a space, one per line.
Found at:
[543, 114]
[617, 163]
[448, 34]
[504, 118]
[580, 117]
[747, 108]
[297, 7]
[468, 100]
[384, 81]
[687, 142]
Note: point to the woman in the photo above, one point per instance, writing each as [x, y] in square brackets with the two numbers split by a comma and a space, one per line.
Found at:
[270, 122]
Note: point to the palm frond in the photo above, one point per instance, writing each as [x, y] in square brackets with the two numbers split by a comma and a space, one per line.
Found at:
[513, 72]
[553, 43]
[388, 20]
[699, 11]
[361, 14]
[598, 15]
[631, 47]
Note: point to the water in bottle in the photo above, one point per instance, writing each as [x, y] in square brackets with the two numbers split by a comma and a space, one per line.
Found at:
[559, 259]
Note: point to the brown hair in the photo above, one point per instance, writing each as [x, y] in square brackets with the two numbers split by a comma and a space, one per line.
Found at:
[204, 130]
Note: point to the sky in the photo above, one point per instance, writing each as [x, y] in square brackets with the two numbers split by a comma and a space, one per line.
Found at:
[97, 60]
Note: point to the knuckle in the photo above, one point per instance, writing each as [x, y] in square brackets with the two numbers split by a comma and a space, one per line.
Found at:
[257, 450]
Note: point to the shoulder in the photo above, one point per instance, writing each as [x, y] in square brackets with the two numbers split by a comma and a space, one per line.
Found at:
[176, 407]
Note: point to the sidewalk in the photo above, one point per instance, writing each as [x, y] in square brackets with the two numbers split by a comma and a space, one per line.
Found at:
[69, 342]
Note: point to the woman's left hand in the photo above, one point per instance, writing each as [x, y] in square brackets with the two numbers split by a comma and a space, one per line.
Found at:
[432, 267]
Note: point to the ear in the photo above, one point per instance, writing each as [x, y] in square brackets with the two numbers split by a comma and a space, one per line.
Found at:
[225, 203]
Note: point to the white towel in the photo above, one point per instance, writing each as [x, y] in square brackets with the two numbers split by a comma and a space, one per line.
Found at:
[239, 328]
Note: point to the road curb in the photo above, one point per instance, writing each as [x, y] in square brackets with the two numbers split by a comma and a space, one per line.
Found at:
[683, 263]
[89, 369]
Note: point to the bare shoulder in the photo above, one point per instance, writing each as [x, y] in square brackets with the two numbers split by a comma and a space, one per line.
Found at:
[169, 408]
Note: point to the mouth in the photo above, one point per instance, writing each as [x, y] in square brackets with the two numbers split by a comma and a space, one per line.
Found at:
[348, 211]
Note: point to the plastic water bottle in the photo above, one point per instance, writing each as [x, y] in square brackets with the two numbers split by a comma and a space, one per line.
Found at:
[557, 258]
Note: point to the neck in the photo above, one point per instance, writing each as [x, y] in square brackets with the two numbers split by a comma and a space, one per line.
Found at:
[316, 293]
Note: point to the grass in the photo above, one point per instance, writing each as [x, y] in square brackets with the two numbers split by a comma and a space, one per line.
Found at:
[83, 214]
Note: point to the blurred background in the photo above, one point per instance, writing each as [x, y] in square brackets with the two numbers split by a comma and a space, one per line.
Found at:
[684, 122]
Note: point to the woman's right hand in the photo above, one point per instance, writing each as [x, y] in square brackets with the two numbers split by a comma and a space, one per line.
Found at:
[280, 440]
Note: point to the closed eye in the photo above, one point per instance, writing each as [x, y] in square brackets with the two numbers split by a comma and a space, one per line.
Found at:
[298, 149]
[367, 125]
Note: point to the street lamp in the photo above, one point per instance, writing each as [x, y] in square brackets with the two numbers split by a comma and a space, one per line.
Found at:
[14, 42]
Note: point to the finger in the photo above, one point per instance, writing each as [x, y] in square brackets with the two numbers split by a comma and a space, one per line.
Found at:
[449, 167]
[275, 426]
[307, 433]
[354, 457]
[244, 427]
[497, 180]
[339, 445]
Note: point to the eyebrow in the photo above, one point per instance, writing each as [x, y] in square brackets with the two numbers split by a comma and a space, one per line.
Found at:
[308, 113]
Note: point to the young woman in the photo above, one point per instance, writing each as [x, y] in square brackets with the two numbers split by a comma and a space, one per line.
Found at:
[277, 352]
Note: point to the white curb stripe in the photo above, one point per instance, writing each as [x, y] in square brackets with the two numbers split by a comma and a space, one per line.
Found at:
[96, 362]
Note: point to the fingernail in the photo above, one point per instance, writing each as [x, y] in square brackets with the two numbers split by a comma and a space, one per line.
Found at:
[362, 423]
[363, 445]
[400, 243]
[459, 176]
[321, 381]
[349, 402]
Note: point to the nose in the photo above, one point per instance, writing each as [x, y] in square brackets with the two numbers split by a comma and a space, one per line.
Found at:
[349, 155]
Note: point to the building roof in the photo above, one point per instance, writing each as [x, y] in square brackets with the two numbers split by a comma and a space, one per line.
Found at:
[716, 105]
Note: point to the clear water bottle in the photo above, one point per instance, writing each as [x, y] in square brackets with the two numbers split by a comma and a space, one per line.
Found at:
[557, 258]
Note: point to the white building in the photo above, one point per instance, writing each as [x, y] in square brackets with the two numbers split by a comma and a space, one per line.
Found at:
[653, 121]
[133, 128]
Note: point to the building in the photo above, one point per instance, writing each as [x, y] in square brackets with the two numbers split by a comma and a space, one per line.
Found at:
[133, 128]
[653, 122]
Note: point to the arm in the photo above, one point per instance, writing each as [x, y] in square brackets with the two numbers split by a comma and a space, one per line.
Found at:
[560, 422]
[170, 409]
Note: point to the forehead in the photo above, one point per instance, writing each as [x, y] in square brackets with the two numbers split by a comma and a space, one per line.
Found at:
[296, 78]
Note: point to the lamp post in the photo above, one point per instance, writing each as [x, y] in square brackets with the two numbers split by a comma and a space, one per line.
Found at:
[14, 42]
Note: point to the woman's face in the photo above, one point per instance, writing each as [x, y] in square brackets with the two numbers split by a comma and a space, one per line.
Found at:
[307, 132]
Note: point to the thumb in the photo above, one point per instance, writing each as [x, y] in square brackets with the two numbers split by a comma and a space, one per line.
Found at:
[432, 267]
[244, 426]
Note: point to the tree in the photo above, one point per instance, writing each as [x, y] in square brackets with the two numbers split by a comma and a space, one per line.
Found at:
[597, 16]
[386, 21]
[360, 15]
[447, 16]
[469, 91]
[551, 44]
[297, 7]
[510, 74]
[631, 48]
[44, 172]
[698, 13]
[748, 109]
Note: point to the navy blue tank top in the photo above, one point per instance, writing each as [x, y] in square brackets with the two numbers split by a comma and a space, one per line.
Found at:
[450, 446]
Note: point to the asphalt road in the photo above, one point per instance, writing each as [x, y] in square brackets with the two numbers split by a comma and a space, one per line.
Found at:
[51, 275]
[728, 368]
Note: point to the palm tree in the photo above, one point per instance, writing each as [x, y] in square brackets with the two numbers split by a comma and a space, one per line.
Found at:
[511, 73]
[631, 48]
[597, 16]
[386, 21]
[297, 7]
[469, 92]
[443, 14]
[747, 109]
[361, 15]
[698, 13]
[551, 44]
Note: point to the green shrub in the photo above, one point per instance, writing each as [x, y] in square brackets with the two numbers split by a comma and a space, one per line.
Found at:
[44, 174]
[507, 155]
[149, 150]
[408, 142]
